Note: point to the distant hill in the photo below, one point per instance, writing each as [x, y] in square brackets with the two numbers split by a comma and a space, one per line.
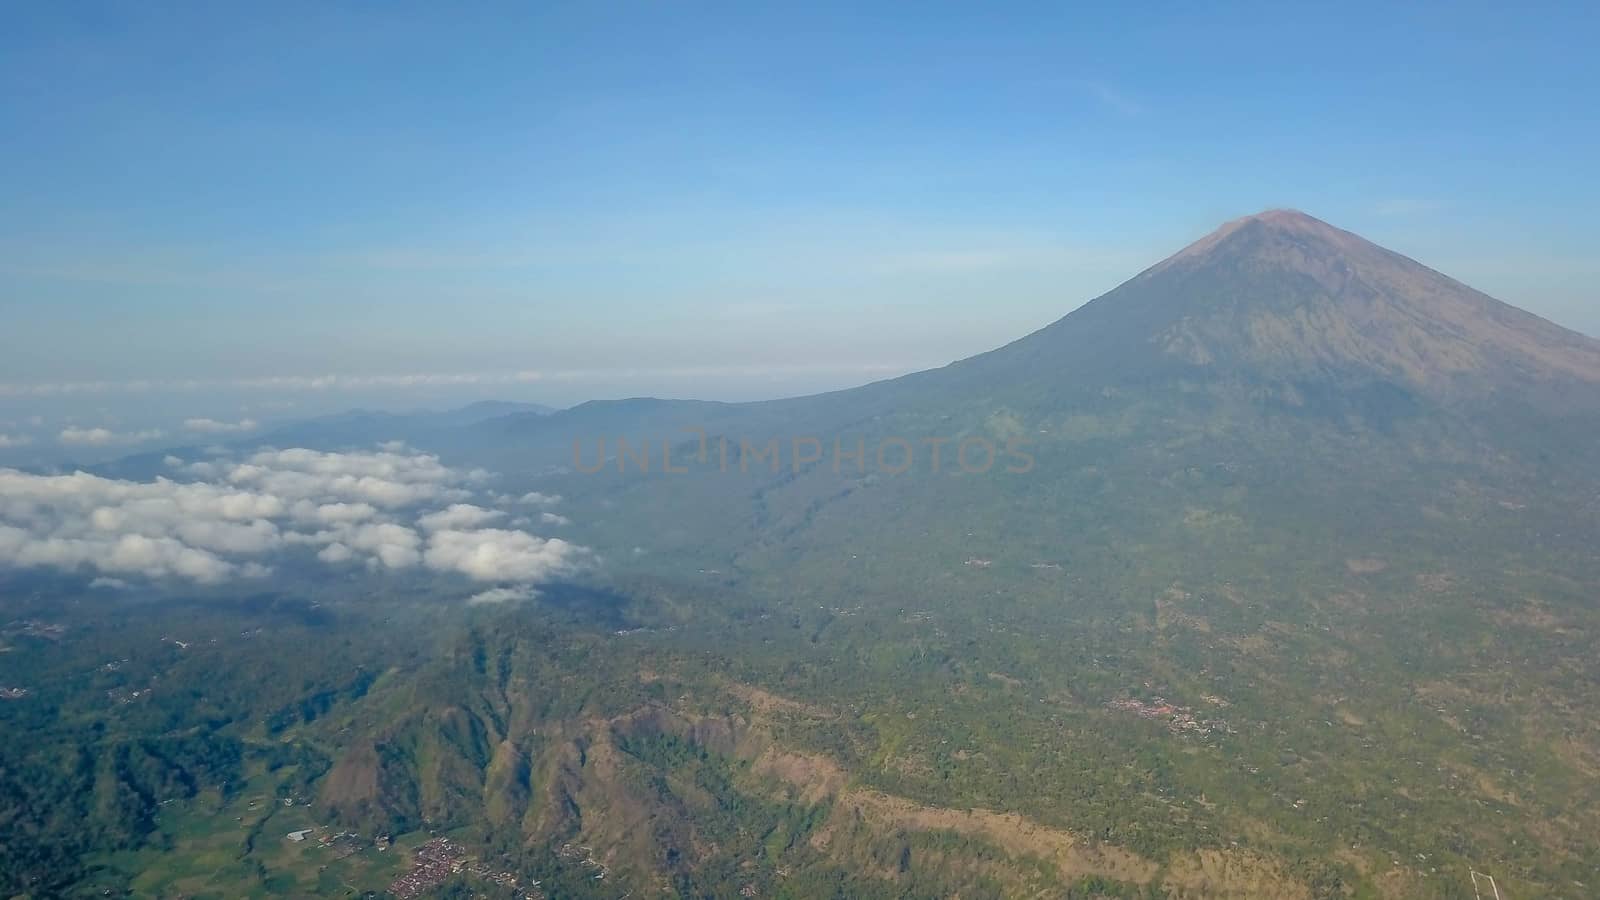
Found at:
[359, 426]
[356, 428]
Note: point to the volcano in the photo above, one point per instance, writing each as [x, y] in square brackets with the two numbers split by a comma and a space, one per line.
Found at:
[1299, 493]
[1283, 297]
[1279, 375]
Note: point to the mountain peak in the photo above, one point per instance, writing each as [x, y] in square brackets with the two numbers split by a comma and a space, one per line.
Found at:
[1290, 224]
[1284, 296]
[1285, 217]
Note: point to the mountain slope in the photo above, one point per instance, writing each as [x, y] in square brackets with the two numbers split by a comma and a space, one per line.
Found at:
[1297, 598]
[1279, 299]
[1283, 295]
[1299, 366]
[1285, 480]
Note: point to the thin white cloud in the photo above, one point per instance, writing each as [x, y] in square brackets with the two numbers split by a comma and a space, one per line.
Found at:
[212, 426]
[101, 437]
[332, 383]
[502, 595]
[551, 518]
[7, 441]
[991, 254]
[1399, 207]
[324, 382]
[534, 498]
[1112, 98]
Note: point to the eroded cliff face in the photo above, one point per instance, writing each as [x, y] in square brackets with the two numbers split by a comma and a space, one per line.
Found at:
[641, 794]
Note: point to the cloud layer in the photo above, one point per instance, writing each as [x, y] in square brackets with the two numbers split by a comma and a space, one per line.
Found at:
[225, 518]
[334, 382]
[212, 426]
[101, 437]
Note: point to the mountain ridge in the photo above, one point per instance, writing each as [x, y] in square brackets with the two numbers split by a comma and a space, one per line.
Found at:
[1296, 600]
[1279, 297]
[1282, 295]
[1276, 367]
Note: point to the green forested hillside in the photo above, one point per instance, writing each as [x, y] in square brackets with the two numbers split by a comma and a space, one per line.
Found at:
[1294, 597]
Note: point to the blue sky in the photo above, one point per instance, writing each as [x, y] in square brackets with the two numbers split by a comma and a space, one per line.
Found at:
[273, 204]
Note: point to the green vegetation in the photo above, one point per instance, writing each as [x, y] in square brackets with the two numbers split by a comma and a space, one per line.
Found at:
[1332, 776]
[1298, 601]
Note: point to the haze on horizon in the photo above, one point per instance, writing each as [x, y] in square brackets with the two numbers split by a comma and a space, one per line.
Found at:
[281, 213]
[1173, 470]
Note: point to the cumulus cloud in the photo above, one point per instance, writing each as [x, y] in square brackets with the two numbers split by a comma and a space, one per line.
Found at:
[331, 513]
[378, 509]
[335, 553]
[534, 498]
[212, 426]
[391, 545]
[502, 595]
[493, 554]
[127, 554]
[384, 479]
[458, 516]
[114, 527]
[551, 518]
[101, 437]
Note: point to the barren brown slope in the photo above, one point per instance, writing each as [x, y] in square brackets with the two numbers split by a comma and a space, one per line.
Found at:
[1282, 296]
[1366, 306]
